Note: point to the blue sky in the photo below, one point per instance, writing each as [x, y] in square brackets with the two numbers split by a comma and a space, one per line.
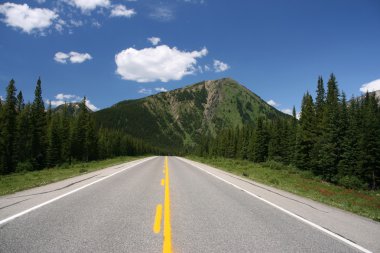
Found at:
[101, 48]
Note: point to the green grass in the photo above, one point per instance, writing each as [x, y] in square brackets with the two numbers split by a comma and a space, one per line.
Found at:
[29, 179]
[303, 183]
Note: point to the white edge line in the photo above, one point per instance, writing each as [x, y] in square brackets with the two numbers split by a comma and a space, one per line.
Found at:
[68, 193]
[357, 246]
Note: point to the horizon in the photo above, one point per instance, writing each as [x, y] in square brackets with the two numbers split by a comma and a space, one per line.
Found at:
[275, 50]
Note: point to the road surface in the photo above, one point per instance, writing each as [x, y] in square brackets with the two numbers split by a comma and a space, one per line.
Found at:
[174, 205]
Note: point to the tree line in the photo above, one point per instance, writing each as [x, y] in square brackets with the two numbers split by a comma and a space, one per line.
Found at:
[337, 140]
[33, 137]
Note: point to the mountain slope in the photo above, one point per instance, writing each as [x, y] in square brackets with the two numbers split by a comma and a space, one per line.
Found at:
[181, 117]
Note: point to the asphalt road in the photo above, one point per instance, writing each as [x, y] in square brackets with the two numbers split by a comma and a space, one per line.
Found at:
[146, 206]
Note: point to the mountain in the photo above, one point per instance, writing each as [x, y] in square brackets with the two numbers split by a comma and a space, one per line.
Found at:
[181, 117]
[72, 108]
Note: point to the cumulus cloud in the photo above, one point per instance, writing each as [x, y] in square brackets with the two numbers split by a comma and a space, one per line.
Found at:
[220, 66]
[160, 89]
[73, 57]
[272, 103]
[61, 99]
[159, 63]
[154, 40]
[29, 20]
[89, 5]
[145, 91]
[371, 86]
[122, 11]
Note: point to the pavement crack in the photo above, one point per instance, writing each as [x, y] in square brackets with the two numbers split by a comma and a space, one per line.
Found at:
[3, 207]
[58, 189]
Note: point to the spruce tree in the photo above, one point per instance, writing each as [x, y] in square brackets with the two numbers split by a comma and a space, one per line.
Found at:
[20, 102]
[24, 134]
[329, 143]
[65, 135]
[54, 142]
[305, 133]
[9, 131]
[260, 142]
[38, 129]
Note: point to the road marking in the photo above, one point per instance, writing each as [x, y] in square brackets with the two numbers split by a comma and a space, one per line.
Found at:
[162, 182]
[157, 220]
[69, 193]
[167, 245]
[336, 236]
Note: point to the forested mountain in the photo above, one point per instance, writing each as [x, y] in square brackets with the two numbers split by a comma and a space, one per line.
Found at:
[180, 118]
[333, 139]
[33, 137]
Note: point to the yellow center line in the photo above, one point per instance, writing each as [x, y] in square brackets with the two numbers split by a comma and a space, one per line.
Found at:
[162, 182]
[167, 245]
[157, 220]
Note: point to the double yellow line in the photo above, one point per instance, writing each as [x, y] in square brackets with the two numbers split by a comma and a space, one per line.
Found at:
[167, 244]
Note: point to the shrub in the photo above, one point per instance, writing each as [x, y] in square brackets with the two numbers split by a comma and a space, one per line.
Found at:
[352, 182]
[274, 165]
[24, 166]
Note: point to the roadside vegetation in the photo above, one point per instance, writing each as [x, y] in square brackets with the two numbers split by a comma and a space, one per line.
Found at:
[302, 183]
[33, 137]
[335, 139]
[28, 179]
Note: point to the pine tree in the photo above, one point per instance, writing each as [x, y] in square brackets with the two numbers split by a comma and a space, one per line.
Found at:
[54, 142]
[20, 102]
[369, 142]
[38, 129]
[9, 132]
[348, 164]
[65, 135]
[305, 133]
[24, 134]
[79, 134]
[329, 149]
[260, 152]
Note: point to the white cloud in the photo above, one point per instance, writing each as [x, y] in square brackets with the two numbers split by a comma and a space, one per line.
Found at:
[160, 63]
[272, 103]
[73, 57]
[154, 40]
[69, 98]
[66, 97]
[160, 89]
[27, 19]
[40, 1]
[122, 11]
[162, 14]
[371, 86]
[287, 111]
[89, 5]
[220, 66]
[145, 91]
[207, 68]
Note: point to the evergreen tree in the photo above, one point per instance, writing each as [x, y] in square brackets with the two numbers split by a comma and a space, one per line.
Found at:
[38, 129]
[65, 135]
[24, 134]
[260, 152]
[305, 133]
[369, 142]
[20, 102]
[329, 150]
[54, 142]
[9, 133]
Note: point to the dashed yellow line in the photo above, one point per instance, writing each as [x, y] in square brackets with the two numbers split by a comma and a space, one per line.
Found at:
[167, 245]
[162, 182]
[157, 220]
